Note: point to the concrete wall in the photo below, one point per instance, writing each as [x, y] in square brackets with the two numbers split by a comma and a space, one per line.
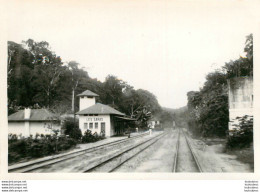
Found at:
[27, 128]
[240, 96]
[109, 127]
[86, 102]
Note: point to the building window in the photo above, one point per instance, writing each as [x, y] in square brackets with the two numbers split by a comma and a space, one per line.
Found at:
[85, 125]
[91, 125]
[96, 125]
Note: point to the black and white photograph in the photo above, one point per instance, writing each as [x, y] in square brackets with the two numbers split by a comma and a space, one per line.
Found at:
[130, 87]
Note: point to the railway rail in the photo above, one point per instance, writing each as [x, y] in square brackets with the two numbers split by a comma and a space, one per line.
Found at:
[111, 164]
[176, 159]
[28, 167]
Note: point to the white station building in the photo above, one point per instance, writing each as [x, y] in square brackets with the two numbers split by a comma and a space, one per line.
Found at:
[99, 118]
[28, 122]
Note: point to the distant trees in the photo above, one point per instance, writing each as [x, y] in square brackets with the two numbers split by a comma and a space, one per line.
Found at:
[139, 104]
[37, 77]
[208, 108]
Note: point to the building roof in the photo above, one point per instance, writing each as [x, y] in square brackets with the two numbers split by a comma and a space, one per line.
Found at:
[36, 115]
[125, 118]
[100, 109]
[88, 93]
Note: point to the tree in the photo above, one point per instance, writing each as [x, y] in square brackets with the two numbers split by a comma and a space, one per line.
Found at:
[76, 76]
[249, 47]
[19, 77]
[38, 78]
[113, 88]
[131, 104]
[139, 104]
[47, 71]
[244, 65]
[208, 108]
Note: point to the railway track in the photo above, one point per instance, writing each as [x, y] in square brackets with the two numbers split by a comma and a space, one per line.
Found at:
[28, 167]
[111, 164]
[176, 153]
[177, 161]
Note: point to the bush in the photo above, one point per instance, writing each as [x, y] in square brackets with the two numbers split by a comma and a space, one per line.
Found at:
[88, 137]
[71, 128]
[28, 148]
[242, 135]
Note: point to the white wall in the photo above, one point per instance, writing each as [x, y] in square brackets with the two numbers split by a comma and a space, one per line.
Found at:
[240, 97]
[42, 128]
[99, 119]
[86, 102]
[34, 128]
[16, 128]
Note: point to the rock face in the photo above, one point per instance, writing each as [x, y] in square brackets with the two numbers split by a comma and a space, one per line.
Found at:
[240, 96]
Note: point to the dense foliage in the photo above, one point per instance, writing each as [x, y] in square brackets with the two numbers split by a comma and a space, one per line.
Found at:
[71, 128]
[242, 135]
[208, 108]
[88, 137]
[39, 146]
[38, 78]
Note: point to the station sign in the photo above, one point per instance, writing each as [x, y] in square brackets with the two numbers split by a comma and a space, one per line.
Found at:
[94, 119]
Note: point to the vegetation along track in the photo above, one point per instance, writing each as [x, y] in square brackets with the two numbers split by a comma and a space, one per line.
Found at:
[177, 160]
[112, 163]
[27, 167]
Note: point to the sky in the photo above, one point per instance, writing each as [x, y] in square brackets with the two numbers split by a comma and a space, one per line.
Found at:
[166, 47]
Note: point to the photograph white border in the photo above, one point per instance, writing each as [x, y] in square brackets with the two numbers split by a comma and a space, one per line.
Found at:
[252, 8]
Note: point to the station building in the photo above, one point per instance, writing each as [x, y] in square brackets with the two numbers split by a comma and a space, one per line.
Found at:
[100, 118]
[29, 122]
[153, 122]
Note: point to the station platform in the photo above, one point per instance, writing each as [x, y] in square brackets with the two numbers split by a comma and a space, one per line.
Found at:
[104, 141]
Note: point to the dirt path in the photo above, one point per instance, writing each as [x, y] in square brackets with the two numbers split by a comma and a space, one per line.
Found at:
[213, 159]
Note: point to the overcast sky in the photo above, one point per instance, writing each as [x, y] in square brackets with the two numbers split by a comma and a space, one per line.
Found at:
[161, 46]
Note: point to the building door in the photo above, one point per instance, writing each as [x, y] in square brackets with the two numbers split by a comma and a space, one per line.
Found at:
[103, 129]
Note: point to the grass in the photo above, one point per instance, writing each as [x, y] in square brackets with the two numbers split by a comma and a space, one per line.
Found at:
[245, 155]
